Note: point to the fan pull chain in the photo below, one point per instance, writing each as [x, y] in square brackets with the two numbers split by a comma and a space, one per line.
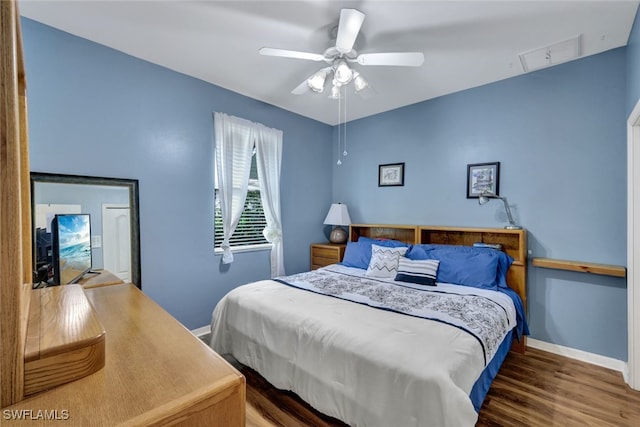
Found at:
[344, 153]
[339, 162]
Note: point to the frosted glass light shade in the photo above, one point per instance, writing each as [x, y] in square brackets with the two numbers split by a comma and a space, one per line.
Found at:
[342, 73]
[359, 82]
[316, 81]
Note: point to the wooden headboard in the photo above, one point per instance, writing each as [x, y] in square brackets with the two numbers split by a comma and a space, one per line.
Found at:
[403, 233]
[514, 243]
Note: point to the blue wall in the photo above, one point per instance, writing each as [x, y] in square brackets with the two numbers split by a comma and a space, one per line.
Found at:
[633, 65]
[96, 111]
[560, 136]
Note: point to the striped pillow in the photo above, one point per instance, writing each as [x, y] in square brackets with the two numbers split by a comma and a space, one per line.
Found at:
[422, 272]
[384, 261]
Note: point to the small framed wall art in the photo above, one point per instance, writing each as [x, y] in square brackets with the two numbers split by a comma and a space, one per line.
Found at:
[483, 177]
[391, 175]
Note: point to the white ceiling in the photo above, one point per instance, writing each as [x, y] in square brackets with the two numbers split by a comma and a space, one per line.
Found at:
[465, 43]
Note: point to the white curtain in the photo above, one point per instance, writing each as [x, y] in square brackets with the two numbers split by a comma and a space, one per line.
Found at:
[269, 157]
[234, 149]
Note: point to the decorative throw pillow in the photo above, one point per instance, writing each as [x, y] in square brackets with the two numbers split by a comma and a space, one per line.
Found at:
[422, 272]
[358, 254]
[384, 261]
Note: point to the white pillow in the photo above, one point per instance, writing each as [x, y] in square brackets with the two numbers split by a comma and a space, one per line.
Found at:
[384, 261]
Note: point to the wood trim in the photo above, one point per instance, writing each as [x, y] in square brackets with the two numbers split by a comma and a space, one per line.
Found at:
[13, 296]
[583, 267]
[25, 186]
[103, 278]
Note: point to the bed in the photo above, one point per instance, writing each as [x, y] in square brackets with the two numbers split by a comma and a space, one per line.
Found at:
[371, 347]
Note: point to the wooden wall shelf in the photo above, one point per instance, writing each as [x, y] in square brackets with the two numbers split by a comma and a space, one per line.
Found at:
[584, 267]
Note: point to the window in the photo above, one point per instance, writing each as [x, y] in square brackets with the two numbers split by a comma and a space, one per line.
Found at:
[240, 146]
[252, 222]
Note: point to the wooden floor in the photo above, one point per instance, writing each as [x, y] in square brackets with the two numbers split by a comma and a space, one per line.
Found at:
[535, 389]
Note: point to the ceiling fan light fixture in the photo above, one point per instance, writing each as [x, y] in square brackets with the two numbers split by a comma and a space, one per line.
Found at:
[359, 82]
[316, 81]
[339, 56]
[343, 73]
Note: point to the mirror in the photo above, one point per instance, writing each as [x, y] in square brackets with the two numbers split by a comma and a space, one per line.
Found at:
[112, 204]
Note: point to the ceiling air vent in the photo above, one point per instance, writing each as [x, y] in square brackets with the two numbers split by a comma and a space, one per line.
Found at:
[552, 54]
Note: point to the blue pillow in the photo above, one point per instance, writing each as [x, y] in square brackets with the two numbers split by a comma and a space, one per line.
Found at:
[416, 252]
[504, 262]
[466, 265]
[358, 254]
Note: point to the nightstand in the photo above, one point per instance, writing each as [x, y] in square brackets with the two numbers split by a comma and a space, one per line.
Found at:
[325, 254]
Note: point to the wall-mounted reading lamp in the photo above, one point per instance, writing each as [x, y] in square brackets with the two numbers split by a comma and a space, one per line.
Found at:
[485, 196]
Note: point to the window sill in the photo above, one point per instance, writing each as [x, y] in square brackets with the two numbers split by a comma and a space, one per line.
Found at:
[247, 248]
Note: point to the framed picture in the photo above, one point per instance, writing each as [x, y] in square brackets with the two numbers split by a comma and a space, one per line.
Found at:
[483, 177]
[391, 175]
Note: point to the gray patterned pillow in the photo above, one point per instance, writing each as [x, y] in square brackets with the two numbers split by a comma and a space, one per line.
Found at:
[384, 261]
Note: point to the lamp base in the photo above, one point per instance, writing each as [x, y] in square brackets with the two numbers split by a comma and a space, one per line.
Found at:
[513, 227]
[338, 235]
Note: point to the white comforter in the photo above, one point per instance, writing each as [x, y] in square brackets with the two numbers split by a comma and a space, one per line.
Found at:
[365, 366]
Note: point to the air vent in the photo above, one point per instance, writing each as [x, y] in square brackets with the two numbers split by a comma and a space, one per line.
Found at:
[552, 54]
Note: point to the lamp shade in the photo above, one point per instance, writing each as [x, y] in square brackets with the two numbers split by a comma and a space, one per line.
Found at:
[338, 215]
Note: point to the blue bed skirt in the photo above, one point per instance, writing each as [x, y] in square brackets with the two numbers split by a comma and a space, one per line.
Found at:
[481, 387]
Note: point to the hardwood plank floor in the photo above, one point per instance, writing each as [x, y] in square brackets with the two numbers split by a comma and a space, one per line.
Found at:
[534, 389]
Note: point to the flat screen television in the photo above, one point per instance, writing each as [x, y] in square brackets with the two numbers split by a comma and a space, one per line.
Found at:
[71, 247]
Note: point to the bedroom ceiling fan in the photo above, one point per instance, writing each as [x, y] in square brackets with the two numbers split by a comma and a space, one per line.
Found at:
[341, 55]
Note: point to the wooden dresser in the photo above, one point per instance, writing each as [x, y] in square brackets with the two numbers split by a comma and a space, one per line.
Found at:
[127, 361]
[323, 254]
[156, 373]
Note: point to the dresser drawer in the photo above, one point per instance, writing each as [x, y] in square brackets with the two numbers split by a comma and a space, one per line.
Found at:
[323, 254]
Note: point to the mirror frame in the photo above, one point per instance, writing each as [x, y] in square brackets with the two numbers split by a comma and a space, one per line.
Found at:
[130, 184]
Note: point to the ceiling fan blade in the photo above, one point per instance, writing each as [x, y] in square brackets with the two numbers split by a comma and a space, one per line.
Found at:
[405, 59]
[269, 51]
[348, 29]
[302, 88]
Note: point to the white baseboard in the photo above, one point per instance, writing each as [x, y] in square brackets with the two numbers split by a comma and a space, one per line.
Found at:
[594, 359]
[202, 331]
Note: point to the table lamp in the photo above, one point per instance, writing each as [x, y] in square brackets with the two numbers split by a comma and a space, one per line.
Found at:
[338, 215]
